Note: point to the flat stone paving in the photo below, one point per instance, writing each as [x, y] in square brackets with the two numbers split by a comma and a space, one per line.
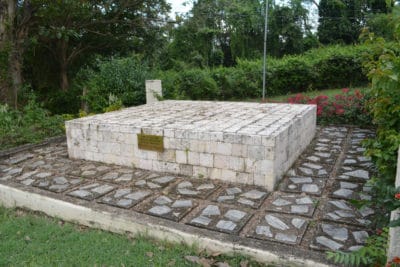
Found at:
[309, 210]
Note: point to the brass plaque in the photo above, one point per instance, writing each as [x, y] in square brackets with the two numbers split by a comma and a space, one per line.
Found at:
[151, 142]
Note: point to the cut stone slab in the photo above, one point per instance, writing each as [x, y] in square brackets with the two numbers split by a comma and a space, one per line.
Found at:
[338, 237]
[221, 218]
[280, 228]
[350, 190]
[88, 170]
[91, 191]
[123, 176]
[343, 211]
[215, 138]
[57, 184]
[292, 204]
[155, 182]
[246, 196]
[354, 174]
[306, 185]
[125, 197]
[169, 207]
[198, 188]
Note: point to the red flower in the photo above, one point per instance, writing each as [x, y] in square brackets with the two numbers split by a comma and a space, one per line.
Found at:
[397, 196]
[396, 260]
[358, 94]
[345, 90]
[339, 111]
[378, 231]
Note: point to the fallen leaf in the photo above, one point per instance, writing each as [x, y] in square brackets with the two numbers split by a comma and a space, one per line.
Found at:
[149, 254]
[205, 262]
[244, 263]
[216, 254]
[171, 263]
[194, 259]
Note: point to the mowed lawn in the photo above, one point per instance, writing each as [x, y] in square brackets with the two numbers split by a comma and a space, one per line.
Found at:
[31, 239]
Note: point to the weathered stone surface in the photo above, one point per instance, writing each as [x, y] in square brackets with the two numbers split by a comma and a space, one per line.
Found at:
[292, 204]
[211, 210]
[280, 228]
[200, 134]
[247, 196]
[345, 212]
[221, 218]
[235, 215]
[169, 207]
[92, 191]
[226, 225]
[338, 237]
[308, 185]
[195, 188]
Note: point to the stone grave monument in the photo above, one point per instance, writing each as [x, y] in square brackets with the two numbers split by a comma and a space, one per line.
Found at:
[249, 143]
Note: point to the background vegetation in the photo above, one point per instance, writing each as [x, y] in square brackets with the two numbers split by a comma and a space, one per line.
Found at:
[74, 57]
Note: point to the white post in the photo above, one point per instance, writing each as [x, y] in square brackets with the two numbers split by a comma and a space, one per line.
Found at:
[394, 232]
[153, 91]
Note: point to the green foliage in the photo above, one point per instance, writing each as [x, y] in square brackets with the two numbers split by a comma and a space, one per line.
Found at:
[384, 73]
[372, 254]
[123, 78]
[30, 125]
[194, 84]
[316, 69]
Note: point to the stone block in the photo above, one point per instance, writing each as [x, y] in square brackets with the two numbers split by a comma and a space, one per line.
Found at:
[216, 139]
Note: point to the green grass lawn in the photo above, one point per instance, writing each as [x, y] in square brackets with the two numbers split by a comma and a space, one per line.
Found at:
[30, 239]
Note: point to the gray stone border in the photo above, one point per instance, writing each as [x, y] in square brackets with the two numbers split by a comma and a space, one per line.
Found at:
[394, 232]
[132, 223]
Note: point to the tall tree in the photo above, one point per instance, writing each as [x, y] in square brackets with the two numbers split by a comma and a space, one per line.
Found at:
[341, 21]
[73, 30]
[16, 19]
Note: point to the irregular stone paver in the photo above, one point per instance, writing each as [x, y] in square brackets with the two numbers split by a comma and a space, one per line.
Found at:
[57, 184]
[353, 173]
[350, 190]
[240, 210]
[195, 188]
[155, 181]
[292, 204]
[301, 184]
[246, 196]
[89, 170]
[125, 197]
[281, 228]
[221, 218]
[344, 212]
[168, 206]
[123, 175]
[91, 191]
[358, 160]
[20, 157]
[338, 237]
[308, 168]
[9, 173]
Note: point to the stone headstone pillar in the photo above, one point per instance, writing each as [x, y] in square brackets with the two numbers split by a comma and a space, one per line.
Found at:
[153, 91]
[394, 232]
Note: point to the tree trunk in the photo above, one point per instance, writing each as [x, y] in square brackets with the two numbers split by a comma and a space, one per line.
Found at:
[64, 66]
[16, 73]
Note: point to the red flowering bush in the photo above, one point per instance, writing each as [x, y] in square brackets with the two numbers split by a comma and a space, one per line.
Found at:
[344, 108]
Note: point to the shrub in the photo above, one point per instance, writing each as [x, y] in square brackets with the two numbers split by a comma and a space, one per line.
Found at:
[30, 125]
[344, 108]
[192, 84]
[123, 78]
[327, 67]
